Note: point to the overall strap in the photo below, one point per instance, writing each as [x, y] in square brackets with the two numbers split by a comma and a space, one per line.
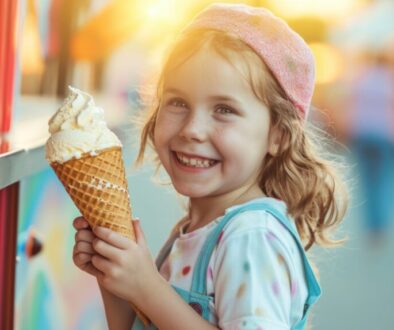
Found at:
[200, 274]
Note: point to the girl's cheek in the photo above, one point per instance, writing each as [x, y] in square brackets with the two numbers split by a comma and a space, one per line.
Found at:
[161, 122]
[219, 131]
[161, 129]
[226, 136]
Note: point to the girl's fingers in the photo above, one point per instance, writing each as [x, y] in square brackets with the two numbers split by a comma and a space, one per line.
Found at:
[140, 237]
[93, 270]
[83, 247]
[102, 264]
[84, 235]
[106, 250]
[84, 262]
[113, 238]
[82, 258]
[80, 223]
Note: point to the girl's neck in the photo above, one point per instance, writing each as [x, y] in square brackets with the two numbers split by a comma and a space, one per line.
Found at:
[204, 210]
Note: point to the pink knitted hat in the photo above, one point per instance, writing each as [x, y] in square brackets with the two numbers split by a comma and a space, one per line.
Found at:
[283, 51]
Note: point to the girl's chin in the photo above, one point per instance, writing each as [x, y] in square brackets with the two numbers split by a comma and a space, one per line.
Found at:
[191, 192]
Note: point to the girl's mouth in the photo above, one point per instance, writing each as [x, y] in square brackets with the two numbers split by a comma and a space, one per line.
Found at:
[194, 162]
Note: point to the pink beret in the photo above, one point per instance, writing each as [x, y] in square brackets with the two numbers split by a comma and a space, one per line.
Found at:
[283, 50]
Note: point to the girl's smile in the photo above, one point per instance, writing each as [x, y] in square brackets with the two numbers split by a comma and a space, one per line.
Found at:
[193, 163]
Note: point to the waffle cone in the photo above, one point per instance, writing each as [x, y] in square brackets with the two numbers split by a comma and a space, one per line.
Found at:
[98, 187]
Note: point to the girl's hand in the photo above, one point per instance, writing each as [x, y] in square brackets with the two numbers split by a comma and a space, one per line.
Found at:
[126, 267]
[83, 249]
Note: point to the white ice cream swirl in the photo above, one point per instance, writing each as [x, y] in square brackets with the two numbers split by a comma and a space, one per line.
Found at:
[77, 128]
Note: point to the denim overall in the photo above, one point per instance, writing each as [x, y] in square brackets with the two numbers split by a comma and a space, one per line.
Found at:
[197, 297]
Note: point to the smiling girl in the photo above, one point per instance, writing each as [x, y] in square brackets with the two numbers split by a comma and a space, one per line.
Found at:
[229, 129]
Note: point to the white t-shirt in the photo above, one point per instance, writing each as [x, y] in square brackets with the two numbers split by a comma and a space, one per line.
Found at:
[255, 274]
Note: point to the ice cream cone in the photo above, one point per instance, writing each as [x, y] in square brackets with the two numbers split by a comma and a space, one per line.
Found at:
[87, 158]
[98, 187]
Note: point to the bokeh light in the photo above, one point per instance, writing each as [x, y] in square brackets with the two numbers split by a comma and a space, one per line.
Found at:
[327, 9]
[329, 62]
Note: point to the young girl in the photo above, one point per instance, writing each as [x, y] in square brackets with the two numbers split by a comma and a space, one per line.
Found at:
[229, 129]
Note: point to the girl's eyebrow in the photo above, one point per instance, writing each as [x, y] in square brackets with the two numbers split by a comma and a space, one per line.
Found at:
[223, 98]
[173, 90]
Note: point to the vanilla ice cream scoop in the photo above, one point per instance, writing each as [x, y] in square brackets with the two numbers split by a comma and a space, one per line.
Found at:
[78, 128]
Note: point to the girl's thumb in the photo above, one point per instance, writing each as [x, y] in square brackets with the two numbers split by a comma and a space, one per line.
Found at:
[140, 237]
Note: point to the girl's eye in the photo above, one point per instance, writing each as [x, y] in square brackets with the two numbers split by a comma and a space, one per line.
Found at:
[176, 102]
[225, 110]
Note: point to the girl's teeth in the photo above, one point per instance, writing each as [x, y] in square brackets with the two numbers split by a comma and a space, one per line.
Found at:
[194, 162]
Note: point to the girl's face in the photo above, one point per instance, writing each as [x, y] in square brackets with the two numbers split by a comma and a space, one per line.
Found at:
[212, 132]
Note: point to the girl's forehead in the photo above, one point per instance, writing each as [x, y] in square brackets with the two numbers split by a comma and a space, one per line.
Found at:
[207, 67]
[207, 55]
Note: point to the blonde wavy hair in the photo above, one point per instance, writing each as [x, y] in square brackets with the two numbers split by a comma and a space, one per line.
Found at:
[316, 197]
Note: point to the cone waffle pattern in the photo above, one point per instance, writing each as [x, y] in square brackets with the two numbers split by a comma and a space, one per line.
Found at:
[98, 187]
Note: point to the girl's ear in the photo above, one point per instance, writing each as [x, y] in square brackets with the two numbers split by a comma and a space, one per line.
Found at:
[274, 140]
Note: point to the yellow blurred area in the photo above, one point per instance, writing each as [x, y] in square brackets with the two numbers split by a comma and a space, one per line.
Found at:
[329, 62]
[326, 9]
[154, 22]
[105, 31]
[121, 20]
[31, 61]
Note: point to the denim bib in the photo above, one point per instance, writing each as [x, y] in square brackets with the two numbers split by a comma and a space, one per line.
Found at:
[198, 298]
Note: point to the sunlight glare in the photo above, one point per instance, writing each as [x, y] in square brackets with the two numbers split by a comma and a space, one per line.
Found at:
[321, 8]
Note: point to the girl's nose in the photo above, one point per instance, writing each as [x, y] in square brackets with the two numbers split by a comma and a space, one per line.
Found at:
[194, 128]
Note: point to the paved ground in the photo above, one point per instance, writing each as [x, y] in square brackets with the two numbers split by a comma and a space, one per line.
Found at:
[357, 278]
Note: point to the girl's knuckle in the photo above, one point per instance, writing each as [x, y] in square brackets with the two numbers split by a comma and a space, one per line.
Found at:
[96, 243]
[108, 235]
[78, 246]
[95, 260]
[80, 258]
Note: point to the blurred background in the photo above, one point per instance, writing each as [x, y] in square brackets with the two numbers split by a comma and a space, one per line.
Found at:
[113, 50]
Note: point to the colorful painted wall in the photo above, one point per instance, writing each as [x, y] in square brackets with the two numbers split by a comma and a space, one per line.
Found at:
[51, 293]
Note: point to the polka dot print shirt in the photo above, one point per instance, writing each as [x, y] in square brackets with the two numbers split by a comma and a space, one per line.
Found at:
[255, 273]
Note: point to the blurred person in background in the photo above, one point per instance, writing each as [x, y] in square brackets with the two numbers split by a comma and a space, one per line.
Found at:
[370, 132]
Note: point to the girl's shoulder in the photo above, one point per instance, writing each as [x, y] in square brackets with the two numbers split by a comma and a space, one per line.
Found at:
[259, 222]
[259, 228]
[257, 217]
